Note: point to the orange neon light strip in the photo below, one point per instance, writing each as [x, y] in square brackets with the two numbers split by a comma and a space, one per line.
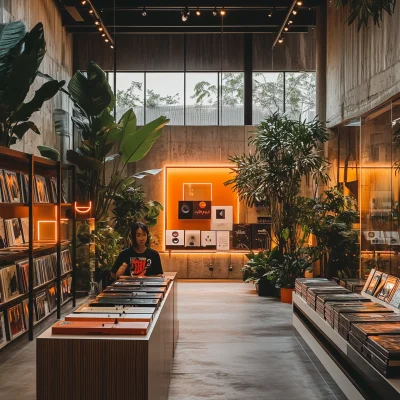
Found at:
[55, 229]
[83, 209]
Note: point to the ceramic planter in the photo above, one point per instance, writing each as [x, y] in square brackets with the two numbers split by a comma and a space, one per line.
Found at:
[286, 295]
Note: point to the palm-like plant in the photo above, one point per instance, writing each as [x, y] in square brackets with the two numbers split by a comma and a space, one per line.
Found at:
[286, 152]
[21, 54]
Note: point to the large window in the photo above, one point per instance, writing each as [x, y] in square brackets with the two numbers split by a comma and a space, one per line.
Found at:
[213, 98]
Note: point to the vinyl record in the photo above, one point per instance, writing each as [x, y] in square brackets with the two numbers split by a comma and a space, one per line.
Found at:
[185, 210]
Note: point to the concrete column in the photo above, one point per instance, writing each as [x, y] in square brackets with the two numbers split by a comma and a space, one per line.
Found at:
[321, 53]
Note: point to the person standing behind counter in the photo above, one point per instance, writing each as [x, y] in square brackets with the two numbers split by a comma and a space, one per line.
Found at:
[139, 259]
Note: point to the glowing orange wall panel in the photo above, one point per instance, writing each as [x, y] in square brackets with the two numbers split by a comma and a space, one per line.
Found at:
[175, 177]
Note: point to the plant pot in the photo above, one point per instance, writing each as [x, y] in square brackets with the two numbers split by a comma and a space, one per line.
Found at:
[286, 295]
[266, 288]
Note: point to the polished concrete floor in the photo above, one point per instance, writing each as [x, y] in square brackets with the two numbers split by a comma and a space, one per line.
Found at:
[233, 345]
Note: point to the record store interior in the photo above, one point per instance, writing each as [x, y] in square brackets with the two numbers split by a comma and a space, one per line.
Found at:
[199, 200]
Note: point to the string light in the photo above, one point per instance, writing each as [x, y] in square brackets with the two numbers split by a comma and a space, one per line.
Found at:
[112, 46]
[290, 22]
[222, 12]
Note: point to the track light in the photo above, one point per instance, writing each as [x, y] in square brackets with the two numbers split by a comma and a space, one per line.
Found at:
[83, 2]
[280, 40]
[290, 22]
[97, 23]
[185, 14]
[299, 3]
[103, 34]
[112, 46]
[106, 40]
[271, 12]
[144, 13]
[100, 28]
[222, 12]
[215, 11]
[294, 12]
[285, 28]
[198, 13]
[90, 11]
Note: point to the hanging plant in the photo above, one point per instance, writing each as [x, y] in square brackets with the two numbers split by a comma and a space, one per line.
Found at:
[362, 10]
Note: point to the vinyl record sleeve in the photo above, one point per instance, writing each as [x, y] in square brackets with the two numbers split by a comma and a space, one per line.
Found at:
[174, 237]
[3, 238]
[192, 238]
[374, 283]
[88, 328]
[128, 289]
[110, 318]
[131, 295]
[387, 345]
[105, 301]
[370, 276]
[386, 291]
[3, 337]
[185, 210]
[16, 321]
[12, 186]
[201, 209]
[114, 310]
[241, 237]
[380, 285]
[221, 218]
[394, 300]
[208, 238]
[9, 283]
[139, 284]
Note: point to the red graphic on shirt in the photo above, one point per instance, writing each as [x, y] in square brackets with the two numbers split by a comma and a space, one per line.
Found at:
[138, 265]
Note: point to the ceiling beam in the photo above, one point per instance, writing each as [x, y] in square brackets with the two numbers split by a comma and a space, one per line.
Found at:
[285, 23]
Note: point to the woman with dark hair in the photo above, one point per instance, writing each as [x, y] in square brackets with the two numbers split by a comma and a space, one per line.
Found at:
[139, 259]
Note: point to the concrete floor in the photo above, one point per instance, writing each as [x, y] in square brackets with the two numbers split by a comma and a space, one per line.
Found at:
[233, 345]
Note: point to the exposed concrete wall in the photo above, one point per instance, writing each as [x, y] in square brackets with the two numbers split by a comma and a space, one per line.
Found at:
[363, 67]
[184, 145]
[57, 63]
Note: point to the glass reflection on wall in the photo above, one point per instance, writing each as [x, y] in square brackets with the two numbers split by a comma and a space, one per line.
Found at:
[379, 192]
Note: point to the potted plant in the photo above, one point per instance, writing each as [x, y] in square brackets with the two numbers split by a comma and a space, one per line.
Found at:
[286, 154]
[256, 269]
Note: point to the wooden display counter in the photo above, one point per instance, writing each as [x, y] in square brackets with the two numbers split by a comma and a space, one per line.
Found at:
[110, 367]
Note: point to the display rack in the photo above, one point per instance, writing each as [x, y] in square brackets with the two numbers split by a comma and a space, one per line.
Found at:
[53, 212]
[356, 377]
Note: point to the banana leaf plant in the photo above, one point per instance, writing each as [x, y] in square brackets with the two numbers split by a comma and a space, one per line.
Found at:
[107, 147]
[21, 54]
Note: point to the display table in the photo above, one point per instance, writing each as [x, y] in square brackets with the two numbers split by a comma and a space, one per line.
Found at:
[355, 376]
[111, 367]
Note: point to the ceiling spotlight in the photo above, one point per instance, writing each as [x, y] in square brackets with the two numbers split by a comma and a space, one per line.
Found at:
[144, 13]
[100, 28]
[83, 2]
[286, 28]
[271, 12]
[198, 13]
[280, 40]
[294, 12]
[103, 34]
[112, 46]
[106, 40]
[290, 22]
[299, 3]
[215, 11]
[90, 11]
[97, 23]
[185, 14]
[222, 12]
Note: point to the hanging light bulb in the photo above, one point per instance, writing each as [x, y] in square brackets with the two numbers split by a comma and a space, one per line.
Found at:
[198, 13]
[286, 28]
[100, 28]
[97, 23]
[290, 22]
[215, 11]
[106, 40]
[144, 13]
[112, 46]
[299, 3]
[103, 34]
[294, 12]
[90, 11]
[280, 40]
[83, 2]
[222, 12]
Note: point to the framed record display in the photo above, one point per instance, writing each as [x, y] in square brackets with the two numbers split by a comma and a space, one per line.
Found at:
[221, 218]
[174, 237]
[387, 289]
[260, 236]
[185, 210]
[223, 240]
[374, 282]
[16, 322]
[192, 238]
[208, 239]
[241, 237]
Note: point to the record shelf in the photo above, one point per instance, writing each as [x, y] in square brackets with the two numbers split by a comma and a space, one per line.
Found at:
[36, 276]
[355, 376]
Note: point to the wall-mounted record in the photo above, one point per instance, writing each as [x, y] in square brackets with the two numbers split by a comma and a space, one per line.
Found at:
[208, 239]
[174, 237]
[241, 237]
[185, 210]
[192, 238]
[201, 209]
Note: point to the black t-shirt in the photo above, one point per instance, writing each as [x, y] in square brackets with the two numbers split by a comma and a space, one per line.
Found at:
[136, 263]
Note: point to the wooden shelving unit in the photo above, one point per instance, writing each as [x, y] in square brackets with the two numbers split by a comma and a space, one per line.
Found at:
[55, 211]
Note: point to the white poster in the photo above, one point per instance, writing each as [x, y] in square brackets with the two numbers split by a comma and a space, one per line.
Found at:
[192, 238]
[221, 218]
[222, 240]
[208, 238]
[175, 237]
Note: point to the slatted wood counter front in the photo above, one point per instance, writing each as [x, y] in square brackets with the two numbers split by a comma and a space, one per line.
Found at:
[110, 367]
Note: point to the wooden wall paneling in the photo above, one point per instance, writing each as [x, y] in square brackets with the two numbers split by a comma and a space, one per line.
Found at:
[130, 53]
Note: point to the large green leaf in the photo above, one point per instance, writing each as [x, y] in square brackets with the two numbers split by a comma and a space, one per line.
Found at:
[48, 152]
[61, 122]
[83, 162]
[44, 93]
[24, 69]
[20, 129]
[10, 47]
[140, 175]
[92, 93]
[136, 144]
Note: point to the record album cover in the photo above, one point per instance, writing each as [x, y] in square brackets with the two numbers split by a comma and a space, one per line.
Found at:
[369, 278]
[223, 240]
[241, 237]
[51, 296]
[3, 188]
[260, 236]
[3, 338]
[387, 289]
[208, 239]
[16, 321]
[192, 238]
[174, 237]
[41, 189]
[12, 186]
[3, 239]
[374, 283]
[9, 283]
[25, 229]
[185, 210]
[202, 209]
[221, 218]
